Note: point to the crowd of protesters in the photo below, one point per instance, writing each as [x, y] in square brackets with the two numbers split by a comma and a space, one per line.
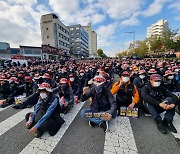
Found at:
[54, 87]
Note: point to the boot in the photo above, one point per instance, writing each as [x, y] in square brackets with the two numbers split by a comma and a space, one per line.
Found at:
[168, 123]
[161, 127]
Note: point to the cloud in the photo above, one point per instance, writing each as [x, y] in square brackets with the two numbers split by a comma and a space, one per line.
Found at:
[175, 6]
[98, 18]
[130, 22]
[18, 35]
[106, 34]
[78, 11]
[155, 8]
[119, 9]
[20, 22]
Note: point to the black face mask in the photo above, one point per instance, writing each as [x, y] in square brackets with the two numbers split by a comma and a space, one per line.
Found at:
[12, 84]
[46, 80]
[28, 83]
[20, 78]
[64, 87]
[99, 88]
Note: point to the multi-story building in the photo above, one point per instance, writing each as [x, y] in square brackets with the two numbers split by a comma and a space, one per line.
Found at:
[92, 39]
[157, 28]
[54, 33]
[31, 52]
[6, 52]
[78, 40]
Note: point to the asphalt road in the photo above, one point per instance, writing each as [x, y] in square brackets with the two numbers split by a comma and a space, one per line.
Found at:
[79, 138]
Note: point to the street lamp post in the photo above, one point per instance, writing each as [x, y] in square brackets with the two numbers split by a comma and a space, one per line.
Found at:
[133, 32]
[122, 46]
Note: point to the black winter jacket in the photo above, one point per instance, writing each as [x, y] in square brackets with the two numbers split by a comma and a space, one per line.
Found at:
[155, 96]
[101, 102]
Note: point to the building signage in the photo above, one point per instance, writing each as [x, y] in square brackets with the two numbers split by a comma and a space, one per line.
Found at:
[51, 50]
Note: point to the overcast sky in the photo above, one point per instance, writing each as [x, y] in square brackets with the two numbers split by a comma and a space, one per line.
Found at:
[20, 19]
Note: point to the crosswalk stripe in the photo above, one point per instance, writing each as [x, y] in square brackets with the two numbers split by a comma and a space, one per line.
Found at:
[47, 143]
[176, 123]
[13, 120]
[1, 109]
[120, 138]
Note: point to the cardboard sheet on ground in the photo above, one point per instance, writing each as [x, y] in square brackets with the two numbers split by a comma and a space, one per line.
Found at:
[124, 111]
[19, 99]
[96, 115]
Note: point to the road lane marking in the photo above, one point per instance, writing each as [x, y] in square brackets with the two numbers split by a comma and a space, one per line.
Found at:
[120, 139]
[13, 120]
[47, 143]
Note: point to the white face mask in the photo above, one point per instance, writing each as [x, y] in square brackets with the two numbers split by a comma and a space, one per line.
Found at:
[86, 70]
[156, 84]
[170, 77]
[136, 72]
[142, 76]
[81, 74]
[176, 70]
[43, 95]
[125, 79]
[71, 79]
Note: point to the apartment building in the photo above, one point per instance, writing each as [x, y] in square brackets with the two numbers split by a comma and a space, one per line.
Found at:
[158, 28]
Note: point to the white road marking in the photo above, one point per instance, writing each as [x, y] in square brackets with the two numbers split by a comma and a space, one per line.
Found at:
[46, 143]
[13, 120]
[120, 139]
[1, 109]
[176, 123]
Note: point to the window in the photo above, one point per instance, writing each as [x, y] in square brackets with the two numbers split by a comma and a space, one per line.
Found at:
[71, 28]
[36, 52]
[47, 36]
[46, 28]
[77, 33]
[72, 39]
[77, 28]
[72, 34]
[27, 51]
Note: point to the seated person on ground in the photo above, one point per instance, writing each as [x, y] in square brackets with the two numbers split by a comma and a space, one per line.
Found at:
[158, 99]
[126, 92]
[102, 102]
[65, 94]
[46, 115]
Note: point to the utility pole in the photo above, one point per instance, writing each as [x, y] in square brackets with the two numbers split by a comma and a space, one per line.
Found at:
[134, 34]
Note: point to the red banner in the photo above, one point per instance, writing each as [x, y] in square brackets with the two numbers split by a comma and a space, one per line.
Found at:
[51, 50]
[16, 57]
